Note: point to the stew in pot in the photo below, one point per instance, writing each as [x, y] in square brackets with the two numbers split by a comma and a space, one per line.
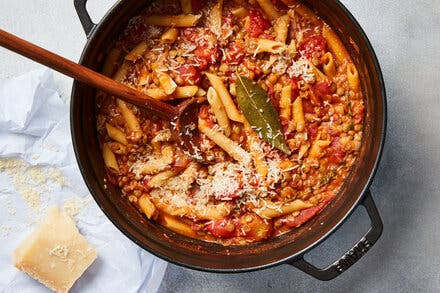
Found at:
[281, 128]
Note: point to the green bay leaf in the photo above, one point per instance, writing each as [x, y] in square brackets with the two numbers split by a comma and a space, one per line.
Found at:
[260, 113]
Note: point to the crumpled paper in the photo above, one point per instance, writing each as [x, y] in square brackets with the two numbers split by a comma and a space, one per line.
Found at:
[37, 170]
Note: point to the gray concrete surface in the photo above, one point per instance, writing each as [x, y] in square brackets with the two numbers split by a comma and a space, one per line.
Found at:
[406, 37]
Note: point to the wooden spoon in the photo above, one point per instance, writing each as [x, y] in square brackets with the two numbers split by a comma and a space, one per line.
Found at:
[184, 116]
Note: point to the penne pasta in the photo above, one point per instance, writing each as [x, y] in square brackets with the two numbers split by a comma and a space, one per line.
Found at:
[228, 145]
[352, 77]
[155, 165]
[298, 114]
[156, 93]
[281, 28]
[317, 73]
[110, 159]
[131, 120]
[181, 92]
[306, 13]
[170, 35]
[116, 134]
[167, 83]
[172, 210]
[291, 49]
[225, 97]
[256, 152]
[177, 225]
[159, 179]
[137, 52]
[219, 111]
[269, 46]
[200, 92]
[303, 150]
[184, 20]
[269, 9]
[335, 45]
[147, 207]
[286, 102]
[271, 210]
[328, 65]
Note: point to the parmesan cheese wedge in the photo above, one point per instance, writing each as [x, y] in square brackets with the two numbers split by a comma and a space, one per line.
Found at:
[56, 254]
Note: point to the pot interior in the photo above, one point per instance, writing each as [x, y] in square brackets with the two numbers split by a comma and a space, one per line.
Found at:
[208, 256]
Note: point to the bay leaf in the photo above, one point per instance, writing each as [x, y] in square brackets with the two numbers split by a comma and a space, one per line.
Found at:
[260, 113]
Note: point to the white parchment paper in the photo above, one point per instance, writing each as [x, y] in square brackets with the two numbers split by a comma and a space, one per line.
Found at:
[38, 169]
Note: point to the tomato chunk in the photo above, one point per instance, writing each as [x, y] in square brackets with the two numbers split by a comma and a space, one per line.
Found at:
[294, 85]
[206, 55]
[207, 51]
[189, 74]
[315, 44]
[234, 54]
[307, 106]
[312, 130]
[224, 228]
[323, 88]
[258, 24]
[190, 34]
[336, 152]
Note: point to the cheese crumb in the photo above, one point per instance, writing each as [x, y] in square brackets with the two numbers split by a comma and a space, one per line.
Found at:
[31, 181]
[73, 206]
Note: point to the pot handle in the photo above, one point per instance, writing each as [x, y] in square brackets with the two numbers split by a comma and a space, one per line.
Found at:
[351, 256]
[84, 17]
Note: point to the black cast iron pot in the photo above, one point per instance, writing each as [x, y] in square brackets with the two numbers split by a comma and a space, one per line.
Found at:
[286, 249]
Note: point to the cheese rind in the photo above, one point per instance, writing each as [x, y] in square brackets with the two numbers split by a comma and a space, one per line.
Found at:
[56, 254]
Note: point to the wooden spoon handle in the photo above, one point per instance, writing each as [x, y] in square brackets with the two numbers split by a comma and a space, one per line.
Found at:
[85, 75]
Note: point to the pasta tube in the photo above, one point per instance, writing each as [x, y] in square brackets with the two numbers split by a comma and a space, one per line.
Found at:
[228, 145]
[169, 36]
[272, 210]
[116, 134]
[219, 111]
[131, 120]
[281, 28]
[269, 9]
[226, 98]
[184, 20]
[298, 114]
[335, 45]
[269, 46]
[110, 159]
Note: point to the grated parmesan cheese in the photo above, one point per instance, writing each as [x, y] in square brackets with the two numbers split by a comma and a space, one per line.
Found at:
[31, 181]
[301, 67]
[73, 206]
